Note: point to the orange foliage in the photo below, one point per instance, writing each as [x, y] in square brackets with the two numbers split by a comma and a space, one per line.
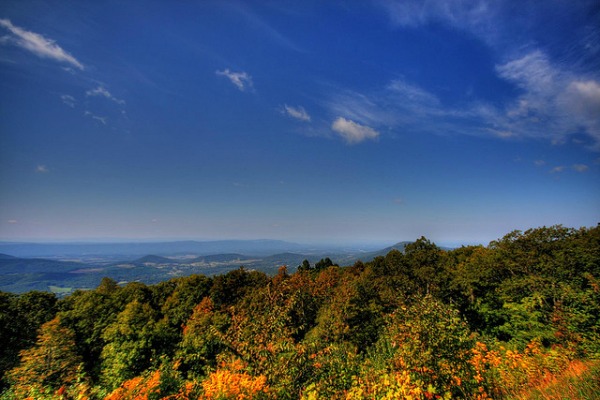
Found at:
[137, 388]
[229, 382]
[506, 371]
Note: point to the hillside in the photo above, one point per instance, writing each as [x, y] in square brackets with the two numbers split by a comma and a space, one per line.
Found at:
[20, 275]
[15, 265]
[502, 321]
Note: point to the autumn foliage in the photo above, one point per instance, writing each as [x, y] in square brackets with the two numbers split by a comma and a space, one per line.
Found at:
[518, 317]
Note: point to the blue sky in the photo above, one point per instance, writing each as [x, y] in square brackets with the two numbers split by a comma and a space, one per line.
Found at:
[336, 122]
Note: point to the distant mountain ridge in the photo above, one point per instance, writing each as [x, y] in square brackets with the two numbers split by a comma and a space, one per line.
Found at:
[20, 274]
[250, 247]
[16, 265]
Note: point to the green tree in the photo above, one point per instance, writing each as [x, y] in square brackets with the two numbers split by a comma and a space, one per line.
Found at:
[422, 259]
[228, 289]
[130, 344]
[88, 314]
[20, 319]
[188, 292]
[305, 266]
[203, 338]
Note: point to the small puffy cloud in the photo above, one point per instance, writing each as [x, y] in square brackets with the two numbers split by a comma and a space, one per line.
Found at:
[580, 167]
[42, 169]
[12, 221]
[353, 132]
[241, 80]
[102, 92]
[298, 113]
[38, 44]
[539, 163]
[68, 100]
[558, 169]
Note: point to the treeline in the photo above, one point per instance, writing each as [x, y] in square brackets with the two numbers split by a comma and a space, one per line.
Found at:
[473, 322]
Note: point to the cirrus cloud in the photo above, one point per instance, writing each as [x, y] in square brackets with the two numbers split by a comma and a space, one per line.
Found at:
[298, 113]
[102, 92]
[39, 45]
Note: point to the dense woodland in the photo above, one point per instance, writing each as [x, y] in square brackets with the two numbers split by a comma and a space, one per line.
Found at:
[501, 321]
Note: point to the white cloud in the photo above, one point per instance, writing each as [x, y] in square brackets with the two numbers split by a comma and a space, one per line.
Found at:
[12, 221]
[539, 163]
[480, 17]
[353, 132]
[102, 92]
[68, 100]
[580, 167]
[42, 169]
[556, 100]
[296, 112]
[411, 93]
[532, 72]
[555, 103]
[241, 80]
[558, 169]
[96, 117]
[38, 44]
[584, 98]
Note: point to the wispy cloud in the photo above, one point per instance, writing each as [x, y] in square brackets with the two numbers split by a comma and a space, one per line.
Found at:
[261, 25]
[554, 104]
[242, 80]
[68, 100]
[38, 44]
[42, 169]
[353, 132]
[96, 117]
[101, 91]
[558, 97]
[580, 167]
[296, 112]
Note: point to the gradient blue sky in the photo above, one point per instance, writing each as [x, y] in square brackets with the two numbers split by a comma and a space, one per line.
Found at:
[313, 121]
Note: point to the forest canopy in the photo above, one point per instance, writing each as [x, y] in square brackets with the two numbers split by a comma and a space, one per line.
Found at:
[494, 321]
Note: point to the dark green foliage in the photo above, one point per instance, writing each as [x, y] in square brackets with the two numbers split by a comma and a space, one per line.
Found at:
[130, 343]
[228, 289]
[187, 292]
[20, 319]
[324, 263]
[305, 266]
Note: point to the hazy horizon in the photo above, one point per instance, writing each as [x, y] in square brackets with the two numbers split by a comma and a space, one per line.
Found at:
[313, 122]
